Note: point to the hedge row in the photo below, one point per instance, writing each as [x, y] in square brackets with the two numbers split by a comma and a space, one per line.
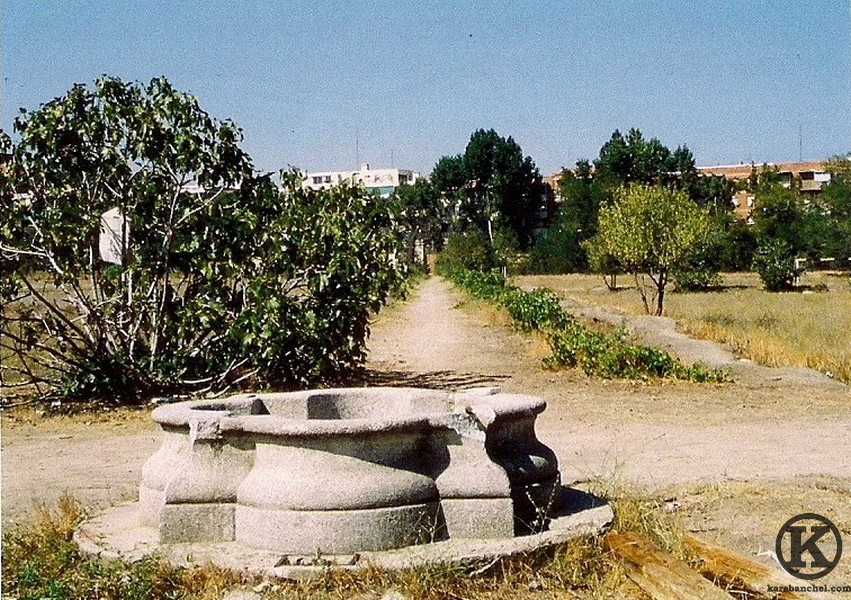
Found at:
[609, 355]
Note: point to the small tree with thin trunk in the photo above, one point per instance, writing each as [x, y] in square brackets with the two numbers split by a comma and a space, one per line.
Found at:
[651, 231]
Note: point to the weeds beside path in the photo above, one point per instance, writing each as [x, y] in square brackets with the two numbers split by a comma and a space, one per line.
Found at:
[665, 333]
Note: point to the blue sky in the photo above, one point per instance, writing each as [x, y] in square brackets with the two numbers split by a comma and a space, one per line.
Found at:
[321, 85]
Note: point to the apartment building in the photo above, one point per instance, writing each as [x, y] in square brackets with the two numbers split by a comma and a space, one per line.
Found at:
[384, 181]
[809, 177]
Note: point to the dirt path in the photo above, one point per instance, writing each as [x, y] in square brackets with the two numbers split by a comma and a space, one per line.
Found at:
[654, 434]
[430, 340]
[741, 458]
[98, 463]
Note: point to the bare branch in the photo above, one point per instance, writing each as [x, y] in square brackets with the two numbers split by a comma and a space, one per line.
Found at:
[52, 308]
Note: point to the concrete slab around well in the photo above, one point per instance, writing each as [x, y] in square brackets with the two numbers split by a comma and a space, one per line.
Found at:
[119, 534]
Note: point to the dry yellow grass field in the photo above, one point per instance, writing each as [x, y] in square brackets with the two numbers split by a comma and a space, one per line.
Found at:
[808, 328]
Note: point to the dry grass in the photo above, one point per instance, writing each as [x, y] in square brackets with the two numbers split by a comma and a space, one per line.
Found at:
[806, 328]
[41, 561]
[71, 417]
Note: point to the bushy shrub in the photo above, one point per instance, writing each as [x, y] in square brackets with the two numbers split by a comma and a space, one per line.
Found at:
[696, 279]
[738, 247]
[538, 309]
[486, 285]
[774, 261]
[558, 250]
[467, 250]
[218, 278]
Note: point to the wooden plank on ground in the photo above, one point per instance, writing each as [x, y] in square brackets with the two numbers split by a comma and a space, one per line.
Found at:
[659, 574]
[736, 571]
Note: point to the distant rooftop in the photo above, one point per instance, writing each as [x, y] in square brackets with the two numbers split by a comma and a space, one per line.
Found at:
[743, 171]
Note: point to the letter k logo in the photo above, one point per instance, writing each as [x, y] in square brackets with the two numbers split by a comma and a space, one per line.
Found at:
[805, 532]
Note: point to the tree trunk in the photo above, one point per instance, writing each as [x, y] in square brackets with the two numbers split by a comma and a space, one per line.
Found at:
[660, 292]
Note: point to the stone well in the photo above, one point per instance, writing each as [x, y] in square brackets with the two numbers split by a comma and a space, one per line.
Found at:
[341, 472]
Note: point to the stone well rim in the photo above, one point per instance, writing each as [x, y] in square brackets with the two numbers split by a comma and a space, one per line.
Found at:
[233, 414]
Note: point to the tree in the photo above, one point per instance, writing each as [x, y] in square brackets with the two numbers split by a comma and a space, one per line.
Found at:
[449, 179]
[581, 197]
[766, 177]
[209, 277]
[836, 198]
[740, 245]
[813, 228]
[715, 192]
[650, 231]
[493, 185]
[601, 261]
[779, 214]
[634, 159]
[466, 251]
[559, 249]
[774, 261]
[422, 215]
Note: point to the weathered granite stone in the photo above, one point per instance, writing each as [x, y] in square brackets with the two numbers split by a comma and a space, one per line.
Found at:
[197, 522]
[344, 471]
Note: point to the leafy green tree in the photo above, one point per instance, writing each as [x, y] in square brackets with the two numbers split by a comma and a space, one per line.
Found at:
[812, 228]
[715, 195]
[774, 261]
[616, 164]
[766, 177]
[836, 199]
[422, 215]
[602, 261]
[700, 272]
[626, 159]
[715, 192]
[466, 251]
[779, 214]
[449, 175]
[634, 159]
[208, 278]
[493, 185]
[449, 179]
[558, 250]
[651, 231]
[732, 246]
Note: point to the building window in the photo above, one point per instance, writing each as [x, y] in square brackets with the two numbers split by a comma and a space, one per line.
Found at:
[327, 179]
[317, 179]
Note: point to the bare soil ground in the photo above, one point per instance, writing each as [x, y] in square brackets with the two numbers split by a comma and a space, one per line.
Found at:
[737, 459]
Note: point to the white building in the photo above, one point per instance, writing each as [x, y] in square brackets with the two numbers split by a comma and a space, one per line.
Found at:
[385, 181]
